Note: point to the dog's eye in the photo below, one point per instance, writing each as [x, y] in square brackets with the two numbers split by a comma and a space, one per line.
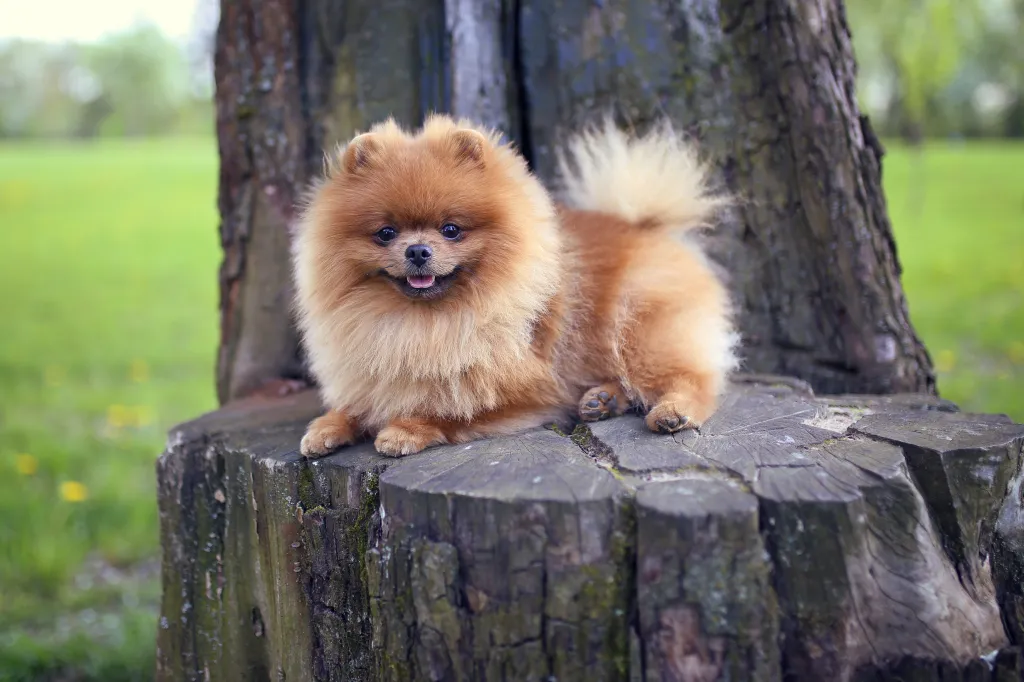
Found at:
[385, 234]
[450, 231]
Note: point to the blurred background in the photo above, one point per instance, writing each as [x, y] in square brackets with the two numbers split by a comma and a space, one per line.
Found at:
[108, 173]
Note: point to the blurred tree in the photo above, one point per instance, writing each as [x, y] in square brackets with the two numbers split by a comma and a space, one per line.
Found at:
[34, 89]
[940, 67]
[137, 82]
[927, 68]
[145, 77]
[1000, 58]
[915, 47]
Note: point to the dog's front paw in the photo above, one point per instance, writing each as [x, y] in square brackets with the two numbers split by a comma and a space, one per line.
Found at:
[326, 433]
[406, 438]
[602, 402]
[669, 416]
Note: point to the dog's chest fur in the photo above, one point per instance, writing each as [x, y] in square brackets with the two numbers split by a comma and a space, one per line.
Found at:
[451, 366]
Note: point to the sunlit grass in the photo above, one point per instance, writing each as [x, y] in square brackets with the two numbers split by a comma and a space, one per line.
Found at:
[107, 278]
[958, 214]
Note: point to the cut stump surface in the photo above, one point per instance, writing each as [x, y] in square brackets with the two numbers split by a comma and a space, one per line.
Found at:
[793, 537]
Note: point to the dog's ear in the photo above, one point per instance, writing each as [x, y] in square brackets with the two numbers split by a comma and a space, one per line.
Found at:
[360, 152]
[469, 146]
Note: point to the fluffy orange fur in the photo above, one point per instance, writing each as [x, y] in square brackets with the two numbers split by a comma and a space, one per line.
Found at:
[534, 311]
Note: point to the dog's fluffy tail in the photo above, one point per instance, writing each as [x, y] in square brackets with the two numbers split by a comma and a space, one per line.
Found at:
[654, 180]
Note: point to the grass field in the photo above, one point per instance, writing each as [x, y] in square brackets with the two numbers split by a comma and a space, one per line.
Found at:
[958, 214]
[107, 279]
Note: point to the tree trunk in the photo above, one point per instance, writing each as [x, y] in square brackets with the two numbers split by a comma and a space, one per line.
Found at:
[794, 538]
[767, 87]
[293, 79]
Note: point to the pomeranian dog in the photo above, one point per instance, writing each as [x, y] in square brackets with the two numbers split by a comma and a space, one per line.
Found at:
[443, 296]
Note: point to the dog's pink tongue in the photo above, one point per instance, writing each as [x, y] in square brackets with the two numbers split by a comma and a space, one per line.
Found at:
[424, 282]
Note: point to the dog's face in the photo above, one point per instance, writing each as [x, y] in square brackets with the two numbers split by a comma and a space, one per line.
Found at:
[424, 218]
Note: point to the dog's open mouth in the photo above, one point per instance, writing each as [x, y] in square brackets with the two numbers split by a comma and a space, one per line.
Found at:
[421, 282]
[424, 286]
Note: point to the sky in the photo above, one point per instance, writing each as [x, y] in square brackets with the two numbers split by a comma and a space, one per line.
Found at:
[85, 20]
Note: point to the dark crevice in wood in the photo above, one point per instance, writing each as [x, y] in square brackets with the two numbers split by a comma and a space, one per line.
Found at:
[549, 656]
[785, 344]
[772, 552]
[521, 101]
[434, 63]
[837, 365]
[308, 38]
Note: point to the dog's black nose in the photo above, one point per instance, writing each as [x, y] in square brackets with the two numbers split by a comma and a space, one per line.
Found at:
[418, 254]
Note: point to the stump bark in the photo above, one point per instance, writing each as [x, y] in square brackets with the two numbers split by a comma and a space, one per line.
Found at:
[767, 88]
[795, 537]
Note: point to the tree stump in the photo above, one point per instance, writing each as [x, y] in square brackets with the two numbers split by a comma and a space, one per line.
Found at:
[795, 537]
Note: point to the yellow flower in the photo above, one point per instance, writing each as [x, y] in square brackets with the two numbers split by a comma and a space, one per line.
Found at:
[118, 416]
[945, 361]
[73, 491]
[26, 465]
[140, 371]
[1016, 352]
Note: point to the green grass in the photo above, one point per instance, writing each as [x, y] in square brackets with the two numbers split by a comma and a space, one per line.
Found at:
[108, 284]
[958, 214]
